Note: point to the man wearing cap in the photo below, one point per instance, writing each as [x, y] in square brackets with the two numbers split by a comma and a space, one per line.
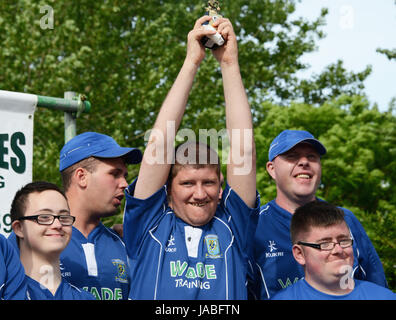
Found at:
[294, 164]
[94, 171]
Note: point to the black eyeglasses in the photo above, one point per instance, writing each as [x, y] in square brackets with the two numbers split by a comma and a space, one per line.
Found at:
[48, 219]
[327, 246]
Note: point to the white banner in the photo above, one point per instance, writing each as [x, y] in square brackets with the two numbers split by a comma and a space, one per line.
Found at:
[16, 149]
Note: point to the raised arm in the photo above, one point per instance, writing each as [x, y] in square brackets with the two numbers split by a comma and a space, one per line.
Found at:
[241, 169]
[156, 163]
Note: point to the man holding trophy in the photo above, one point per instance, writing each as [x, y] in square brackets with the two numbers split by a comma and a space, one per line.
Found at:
[186, 243]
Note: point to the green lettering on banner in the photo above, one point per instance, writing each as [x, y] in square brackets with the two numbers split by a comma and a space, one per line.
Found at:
[18, 163]
[6, 222]
[3, 151]
[18, 166]
[2, 182]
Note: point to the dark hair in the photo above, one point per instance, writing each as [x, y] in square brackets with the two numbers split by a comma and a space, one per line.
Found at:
[314, 214]
[196, 155]
[19, 203]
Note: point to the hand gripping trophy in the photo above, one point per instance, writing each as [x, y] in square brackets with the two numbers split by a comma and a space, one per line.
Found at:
[216, 40]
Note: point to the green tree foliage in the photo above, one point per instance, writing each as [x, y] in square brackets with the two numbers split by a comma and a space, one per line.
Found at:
[332, 82]
[124, 55]
[390, 54]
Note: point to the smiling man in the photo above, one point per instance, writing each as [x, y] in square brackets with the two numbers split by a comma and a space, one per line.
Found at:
[297, 170]
[189, 239]
[322, 245]
[295, 165]
[94, 170]
[42, 224]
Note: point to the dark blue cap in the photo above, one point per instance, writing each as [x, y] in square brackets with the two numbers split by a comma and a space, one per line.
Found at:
[93, 144]
[287, 139]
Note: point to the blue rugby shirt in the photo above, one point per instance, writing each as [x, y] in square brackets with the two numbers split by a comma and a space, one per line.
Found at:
[65, 291]
[12, 273]
[97, 264]
[363, 290]
[168, 263]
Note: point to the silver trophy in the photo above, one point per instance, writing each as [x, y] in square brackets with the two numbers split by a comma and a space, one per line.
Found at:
[216, 40]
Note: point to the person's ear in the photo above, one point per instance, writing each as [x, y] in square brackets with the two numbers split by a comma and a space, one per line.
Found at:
[81, 177]
[220, 191]
[221, 185]
[17, 227]
[271, 169]
[298, 254]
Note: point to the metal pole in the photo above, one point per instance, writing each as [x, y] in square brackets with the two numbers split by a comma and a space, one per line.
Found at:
[73, 105]
[67, 105]
[70, 118]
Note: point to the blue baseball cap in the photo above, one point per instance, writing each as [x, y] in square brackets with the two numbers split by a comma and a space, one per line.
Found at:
[287, 139]
[93, 144]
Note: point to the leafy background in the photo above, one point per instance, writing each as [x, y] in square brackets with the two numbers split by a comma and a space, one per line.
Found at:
[124, 55]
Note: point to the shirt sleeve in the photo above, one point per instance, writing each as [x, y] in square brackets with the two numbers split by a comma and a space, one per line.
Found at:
[242, 219]
[140, 216]
[369, 264]
[14, 286]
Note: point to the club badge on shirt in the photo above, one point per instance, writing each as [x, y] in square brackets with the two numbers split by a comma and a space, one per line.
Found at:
[213, 246]
[121, 270]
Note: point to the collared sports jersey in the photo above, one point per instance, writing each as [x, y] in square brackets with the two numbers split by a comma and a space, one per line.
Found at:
[363, 290]
[98, 264]
[12, 273]
[177, 261]
[65, 291]
[275, 267]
